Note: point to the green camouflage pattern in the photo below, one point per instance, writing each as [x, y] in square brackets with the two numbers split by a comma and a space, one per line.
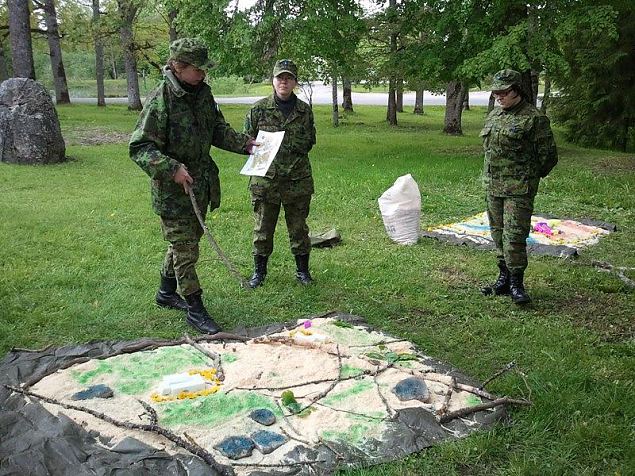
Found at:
[519, 150]
[191, 51]
[285, 66]
[288, 182]
[265, 220]
[505, 79]
[178, 127]
[292, 160]
[510, 224]
[181, 257]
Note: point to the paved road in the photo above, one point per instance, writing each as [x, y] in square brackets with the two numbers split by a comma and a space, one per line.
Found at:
[322, 95]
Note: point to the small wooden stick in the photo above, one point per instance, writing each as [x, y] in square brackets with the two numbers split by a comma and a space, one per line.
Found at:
[507, 368]
[483, 406]
[324, 393]
[212, 355]
[448, 397]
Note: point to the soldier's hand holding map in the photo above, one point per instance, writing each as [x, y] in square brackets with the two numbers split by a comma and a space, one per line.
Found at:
[262, 156]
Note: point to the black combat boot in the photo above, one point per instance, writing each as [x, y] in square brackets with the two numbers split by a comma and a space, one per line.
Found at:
[260, 271]
[167, 295]
[197, 315]
[302, 269]
[517, 289]
[501, 286]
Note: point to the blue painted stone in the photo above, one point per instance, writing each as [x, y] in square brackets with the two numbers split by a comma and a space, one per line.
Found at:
[412, 388]
[236, 447]
[267, 441]
[263, 416]
[96, 391]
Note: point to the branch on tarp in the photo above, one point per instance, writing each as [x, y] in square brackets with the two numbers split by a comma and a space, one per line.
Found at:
[389, 410]
[446, 400]
[154, 417]
[333, 384]
[150, 428]
[365, 373]
[216, 360]
[483, 406]
[458, 385]
[362, 415]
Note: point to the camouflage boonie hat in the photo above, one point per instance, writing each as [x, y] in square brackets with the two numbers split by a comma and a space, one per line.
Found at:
[285, 66]
[505, 79]
[191, 51]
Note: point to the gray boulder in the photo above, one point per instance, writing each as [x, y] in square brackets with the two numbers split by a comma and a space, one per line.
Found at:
[29, 127]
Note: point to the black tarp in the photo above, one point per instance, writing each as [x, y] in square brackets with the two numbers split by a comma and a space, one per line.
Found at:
[35, 442]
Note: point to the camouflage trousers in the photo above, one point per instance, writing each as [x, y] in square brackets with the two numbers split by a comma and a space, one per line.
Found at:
[266, 204]
[182, 254]
[510, 223]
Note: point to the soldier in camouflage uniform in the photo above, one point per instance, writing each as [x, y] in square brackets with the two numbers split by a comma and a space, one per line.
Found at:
[288, 182]
[519, 151]
[171, 143]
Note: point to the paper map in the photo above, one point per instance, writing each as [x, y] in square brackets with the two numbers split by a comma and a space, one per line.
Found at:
[259, 162]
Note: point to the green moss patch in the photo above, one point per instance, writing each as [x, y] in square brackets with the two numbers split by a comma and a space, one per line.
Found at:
[134, 374]
[214, 409]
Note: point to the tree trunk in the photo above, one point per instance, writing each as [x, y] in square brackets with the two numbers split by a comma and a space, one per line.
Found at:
[399, 98]
[547, 94]
[113, 70]
[174, 34]
[57, 65]
[419, 101]
[128, 12]
[530, 85]
[20, 37]
[466, 101]
[491, 103]
[336, 120]
[534, 63]
[391, 111]
[4, 70]
[454, 97]
[347, 101]
[99, 55]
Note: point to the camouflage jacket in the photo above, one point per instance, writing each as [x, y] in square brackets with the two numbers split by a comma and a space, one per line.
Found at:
[292, 160]
[178, 127]
[519, 150]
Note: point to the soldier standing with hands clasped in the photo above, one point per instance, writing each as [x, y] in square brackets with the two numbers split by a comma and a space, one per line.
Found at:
[288, 182]
[171, 143]
[519, 151]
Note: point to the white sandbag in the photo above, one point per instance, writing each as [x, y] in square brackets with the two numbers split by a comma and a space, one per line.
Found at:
[400, 208]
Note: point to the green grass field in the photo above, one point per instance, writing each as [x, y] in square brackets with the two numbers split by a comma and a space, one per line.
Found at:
[81, 251]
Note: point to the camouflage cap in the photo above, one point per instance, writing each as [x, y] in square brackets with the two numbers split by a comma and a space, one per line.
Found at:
[285, 66]
[505, 79]
[191, 51]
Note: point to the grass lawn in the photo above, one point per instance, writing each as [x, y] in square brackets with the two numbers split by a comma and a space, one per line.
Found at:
[81, 251]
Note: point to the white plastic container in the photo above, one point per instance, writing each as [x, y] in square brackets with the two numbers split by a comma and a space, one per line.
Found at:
[172, 385]
[400, 208]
